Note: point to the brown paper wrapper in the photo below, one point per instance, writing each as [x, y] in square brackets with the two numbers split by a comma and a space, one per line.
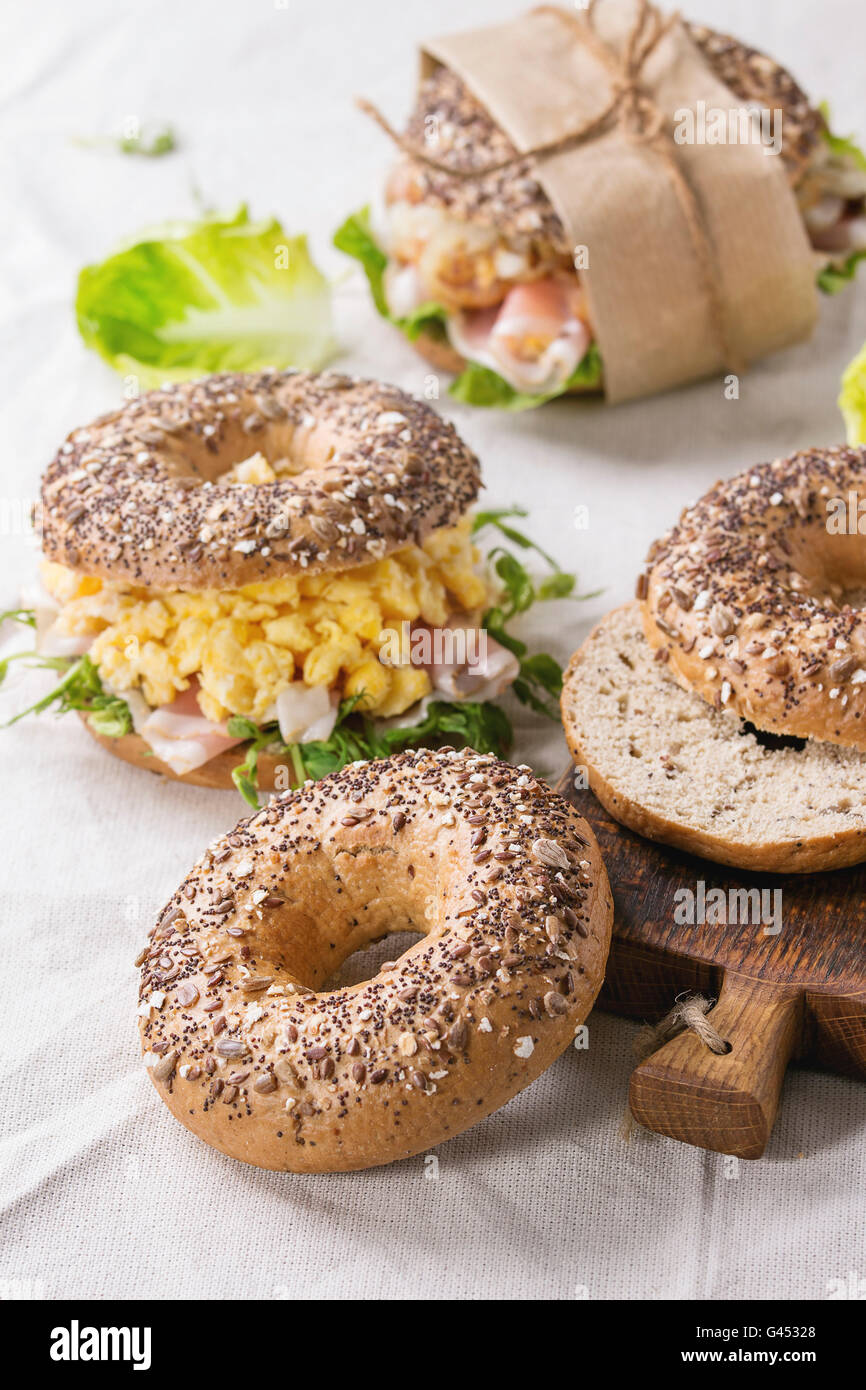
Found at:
[654, 320]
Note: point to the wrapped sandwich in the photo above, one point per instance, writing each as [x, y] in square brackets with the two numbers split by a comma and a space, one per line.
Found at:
[612, 200]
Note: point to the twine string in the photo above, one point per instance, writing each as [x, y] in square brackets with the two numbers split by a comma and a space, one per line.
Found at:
[631, 107]
[689, 1013]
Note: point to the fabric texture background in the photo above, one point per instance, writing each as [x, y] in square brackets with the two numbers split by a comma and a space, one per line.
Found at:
[102, 1193]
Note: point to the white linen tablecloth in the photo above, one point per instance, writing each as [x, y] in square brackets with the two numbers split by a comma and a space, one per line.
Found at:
[103, 1194]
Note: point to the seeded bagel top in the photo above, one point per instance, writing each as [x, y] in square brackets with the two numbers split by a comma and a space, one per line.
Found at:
[755, 597]
[137, 496]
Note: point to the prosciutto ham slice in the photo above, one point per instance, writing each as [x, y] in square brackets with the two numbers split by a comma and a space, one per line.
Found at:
[535, 339]
[483, 679]
[49, 641]
[306, 713]
[179, 734]
[463, 662]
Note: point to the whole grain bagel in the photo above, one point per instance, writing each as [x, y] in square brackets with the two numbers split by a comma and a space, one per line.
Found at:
[755, 596]
[138, 495]
[253, 1052]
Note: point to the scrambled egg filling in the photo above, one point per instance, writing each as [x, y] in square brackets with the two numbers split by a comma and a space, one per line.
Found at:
[246, 645]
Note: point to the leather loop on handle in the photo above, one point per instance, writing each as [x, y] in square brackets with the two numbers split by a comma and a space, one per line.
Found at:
[726, 1103]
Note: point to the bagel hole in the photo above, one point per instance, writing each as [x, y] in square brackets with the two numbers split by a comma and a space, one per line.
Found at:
[838, 596]
[772, 742]
[366, 963]
[288, 449]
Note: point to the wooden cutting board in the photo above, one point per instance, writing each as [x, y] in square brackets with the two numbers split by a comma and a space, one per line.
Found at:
[799, 993]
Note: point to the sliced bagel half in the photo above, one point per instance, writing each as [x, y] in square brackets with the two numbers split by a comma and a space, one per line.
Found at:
[667, 764]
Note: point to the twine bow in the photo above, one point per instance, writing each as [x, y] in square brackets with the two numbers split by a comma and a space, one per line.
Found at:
[632, 108]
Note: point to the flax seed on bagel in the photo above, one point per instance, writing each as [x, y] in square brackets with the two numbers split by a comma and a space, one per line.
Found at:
[137, 496]
[756, 597]
[253, 1052]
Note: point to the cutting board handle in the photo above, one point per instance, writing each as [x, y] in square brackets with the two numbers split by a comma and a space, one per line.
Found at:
[724, 1102]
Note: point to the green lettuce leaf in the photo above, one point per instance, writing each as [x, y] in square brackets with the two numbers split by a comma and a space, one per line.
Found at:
[79, 688]
[852, 399]
[355, 238]
[427, 318]
[150, 144]
[476, 385]
[484, 727]
[222, 294]
[844, 147]
[834, 278]
[539, 683]
[25, 616]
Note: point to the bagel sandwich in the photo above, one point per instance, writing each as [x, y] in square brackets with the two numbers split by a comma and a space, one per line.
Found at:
[479, 272]
[261, 578]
